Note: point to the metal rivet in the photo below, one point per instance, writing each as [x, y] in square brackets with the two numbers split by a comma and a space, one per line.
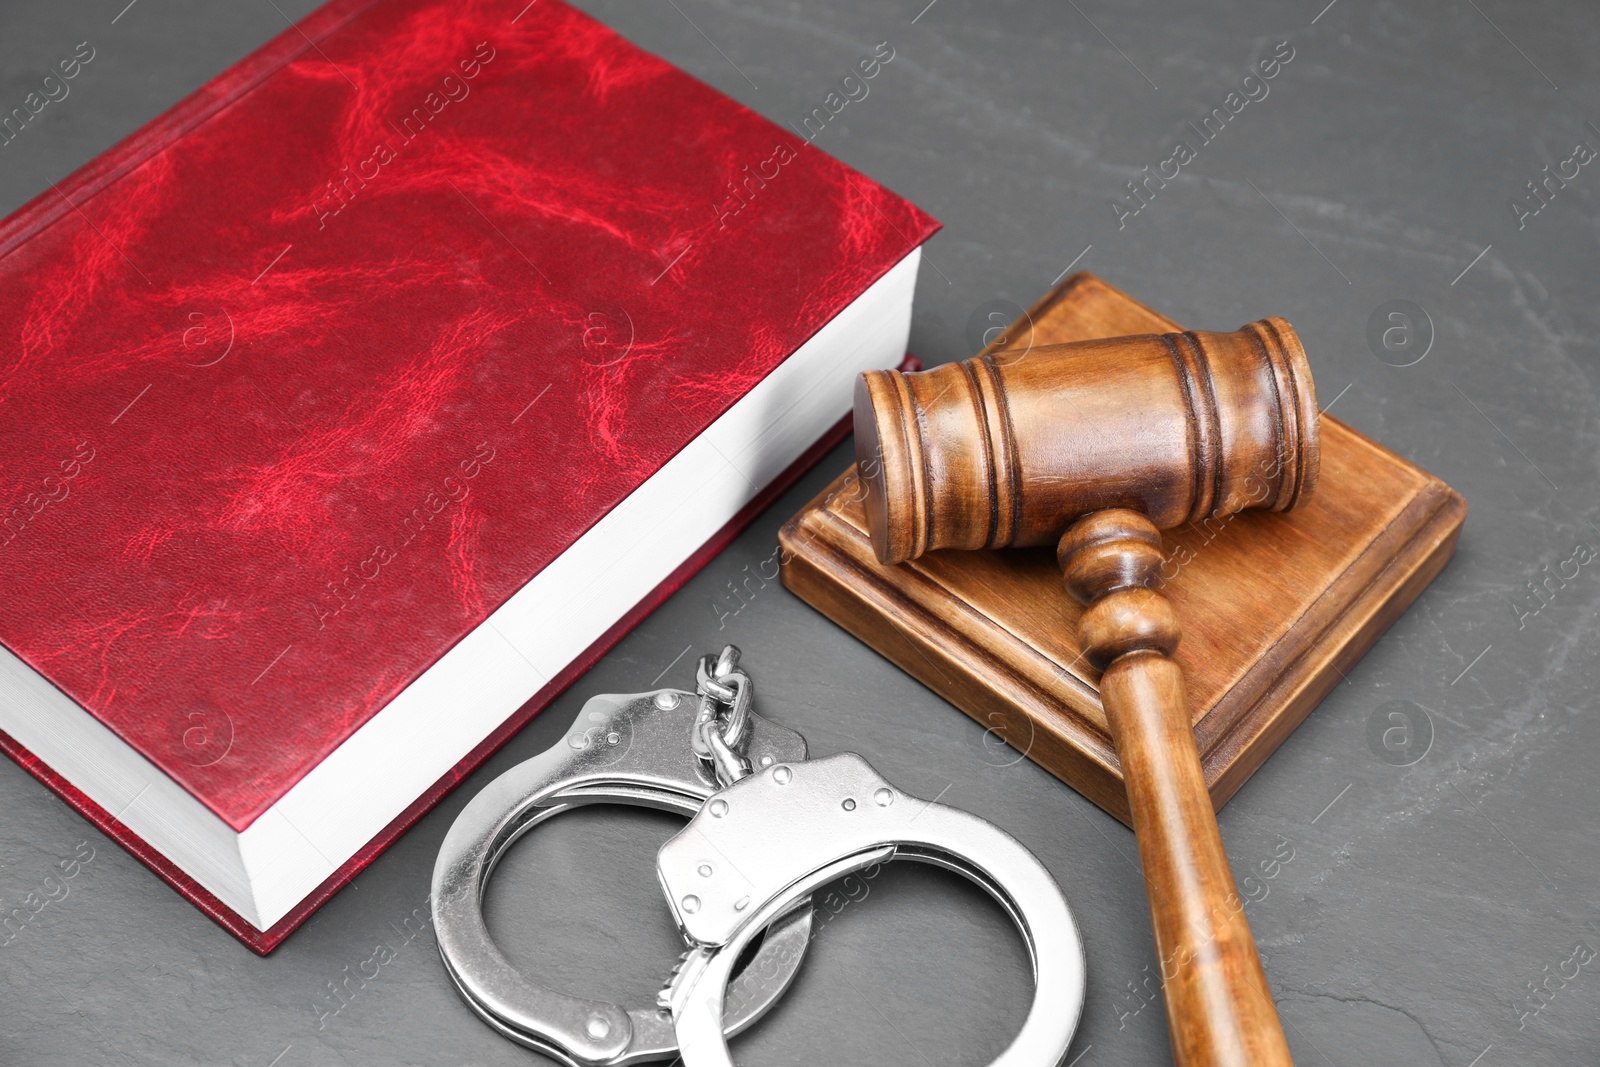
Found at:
[719, 808]
[578, 740]
[613, 738]
[598, 1027]
[666, 701]
[766, 761]
[691, 904]
[849, 804]
[884, 797]
[705, 870]
[741, 904]
[781, 775]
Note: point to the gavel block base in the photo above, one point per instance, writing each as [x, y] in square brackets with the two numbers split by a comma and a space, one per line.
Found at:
[1275, 607]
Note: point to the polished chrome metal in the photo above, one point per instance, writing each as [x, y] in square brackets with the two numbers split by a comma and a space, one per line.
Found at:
[781, 833]
[724, 733]
[636, 750]
[758, 844]
[726, 694]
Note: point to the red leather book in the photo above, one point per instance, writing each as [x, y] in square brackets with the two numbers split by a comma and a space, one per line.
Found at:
[355, 406]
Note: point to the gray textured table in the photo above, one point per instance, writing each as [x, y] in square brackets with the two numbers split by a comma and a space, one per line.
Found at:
[1431, 887]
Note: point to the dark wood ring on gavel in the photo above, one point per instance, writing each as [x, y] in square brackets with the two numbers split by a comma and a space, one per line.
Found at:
[1008, 449]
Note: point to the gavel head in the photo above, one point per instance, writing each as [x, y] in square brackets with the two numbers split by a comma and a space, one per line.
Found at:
[1009, 449]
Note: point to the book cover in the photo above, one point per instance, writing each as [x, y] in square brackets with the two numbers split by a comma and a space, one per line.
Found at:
[302, 381]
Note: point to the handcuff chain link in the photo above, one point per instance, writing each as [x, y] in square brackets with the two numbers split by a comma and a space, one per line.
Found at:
[722, 726]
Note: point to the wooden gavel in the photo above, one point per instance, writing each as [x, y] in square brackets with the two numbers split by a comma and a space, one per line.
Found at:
[1098, 446]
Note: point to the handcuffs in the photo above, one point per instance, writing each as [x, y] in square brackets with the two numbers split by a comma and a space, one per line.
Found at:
[768, 827]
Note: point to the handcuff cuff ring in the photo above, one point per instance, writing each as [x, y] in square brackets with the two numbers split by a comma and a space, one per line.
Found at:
[634, 750]
[760, 845]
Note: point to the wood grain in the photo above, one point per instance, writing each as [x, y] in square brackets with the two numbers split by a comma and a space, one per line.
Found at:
[1008, 448]
[1275, 605]
[1099, 446]
[1220, 1011]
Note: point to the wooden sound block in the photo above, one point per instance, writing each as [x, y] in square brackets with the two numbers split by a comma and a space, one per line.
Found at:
[1275, 606]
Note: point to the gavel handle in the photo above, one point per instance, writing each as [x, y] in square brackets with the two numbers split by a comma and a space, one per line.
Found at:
[1219, 1009]
[1220, 1012]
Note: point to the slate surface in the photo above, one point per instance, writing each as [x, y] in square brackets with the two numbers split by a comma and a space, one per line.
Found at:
[1442, 861]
